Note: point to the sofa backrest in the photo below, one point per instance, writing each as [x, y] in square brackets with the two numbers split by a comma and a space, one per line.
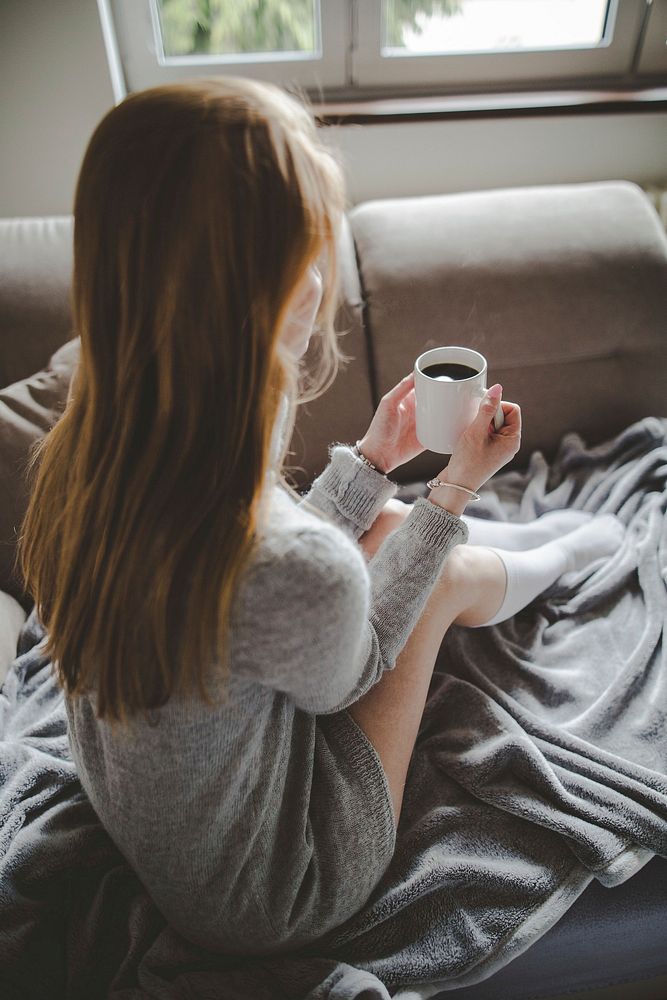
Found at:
[563, 288]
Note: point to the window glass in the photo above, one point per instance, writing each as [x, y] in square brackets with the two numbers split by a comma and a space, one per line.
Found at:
[433, 26]
[236, 27]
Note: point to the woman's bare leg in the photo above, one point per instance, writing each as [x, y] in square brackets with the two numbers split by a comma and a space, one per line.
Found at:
[469, 591]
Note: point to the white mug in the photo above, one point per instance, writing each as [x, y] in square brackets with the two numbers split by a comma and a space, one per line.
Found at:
[445, 408]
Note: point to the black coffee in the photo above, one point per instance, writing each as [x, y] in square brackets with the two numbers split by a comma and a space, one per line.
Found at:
[449, 371]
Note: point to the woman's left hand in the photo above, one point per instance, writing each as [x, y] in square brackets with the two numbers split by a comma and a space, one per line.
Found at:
[391, 439]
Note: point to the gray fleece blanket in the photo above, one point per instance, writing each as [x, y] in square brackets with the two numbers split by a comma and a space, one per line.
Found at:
[540, 765]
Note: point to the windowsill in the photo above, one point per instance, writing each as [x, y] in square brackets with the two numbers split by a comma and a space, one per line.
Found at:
[380, 111]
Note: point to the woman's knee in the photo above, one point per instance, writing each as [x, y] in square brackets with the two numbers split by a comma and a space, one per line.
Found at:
[452, 590]
[395, 512]
[468, 572]
[392, 516]
[472, 581]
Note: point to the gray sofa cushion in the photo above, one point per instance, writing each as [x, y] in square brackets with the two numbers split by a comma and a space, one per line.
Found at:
[28, 410]
[35, 277]
[563, 288]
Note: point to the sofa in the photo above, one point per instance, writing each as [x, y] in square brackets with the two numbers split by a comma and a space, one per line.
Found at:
[561, 287]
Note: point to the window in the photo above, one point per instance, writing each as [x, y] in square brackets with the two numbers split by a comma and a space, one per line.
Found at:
[234, 29]
[300, 42]
[499, 42]
[489, 26]
[365, 47]
[653, 52]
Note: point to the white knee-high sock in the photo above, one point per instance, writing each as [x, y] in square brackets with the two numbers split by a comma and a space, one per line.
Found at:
[530, 572]
[527, 534]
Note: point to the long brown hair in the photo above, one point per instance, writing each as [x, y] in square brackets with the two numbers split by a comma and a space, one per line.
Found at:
[198, 208]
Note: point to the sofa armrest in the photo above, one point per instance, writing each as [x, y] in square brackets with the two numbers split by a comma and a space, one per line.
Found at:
[35, 281]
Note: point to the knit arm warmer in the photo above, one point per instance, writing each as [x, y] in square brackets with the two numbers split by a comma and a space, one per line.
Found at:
[325, 624]
[349, 492]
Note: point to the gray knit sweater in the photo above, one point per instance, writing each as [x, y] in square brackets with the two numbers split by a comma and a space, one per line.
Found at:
[259, 825]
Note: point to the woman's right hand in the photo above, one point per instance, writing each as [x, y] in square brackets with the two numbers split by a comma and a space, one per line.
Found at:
[482, 450]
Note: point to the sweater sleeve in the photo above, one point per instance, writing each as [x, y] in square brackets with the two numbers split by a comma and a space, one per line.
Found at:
[349, 492]
[324, 625]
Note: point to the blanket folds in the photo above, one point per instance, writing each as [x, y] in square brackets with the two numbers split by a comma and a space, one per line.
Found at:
[540, 765]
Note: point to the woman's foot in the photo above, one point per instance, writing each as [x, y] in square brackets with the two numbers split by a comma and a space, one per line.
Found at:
[598, 539]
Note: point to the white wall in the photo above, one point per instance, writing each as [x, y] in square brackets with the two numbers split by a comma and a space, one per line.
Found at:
[56, 87]
[384, 161]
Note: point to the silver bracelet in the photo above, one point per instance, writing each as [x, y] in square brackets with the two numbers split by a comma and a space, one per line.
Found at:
[434, 483]
[357, 452]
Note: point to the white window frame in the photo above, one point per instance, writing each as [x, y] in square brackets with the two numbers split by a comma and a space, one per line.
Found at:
[611, 57]
[143, 66]
[350, 63]
[653, 57]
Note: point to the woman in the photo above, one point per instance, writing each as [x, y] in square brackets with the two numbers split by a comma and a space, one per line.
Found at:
[169, 558]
